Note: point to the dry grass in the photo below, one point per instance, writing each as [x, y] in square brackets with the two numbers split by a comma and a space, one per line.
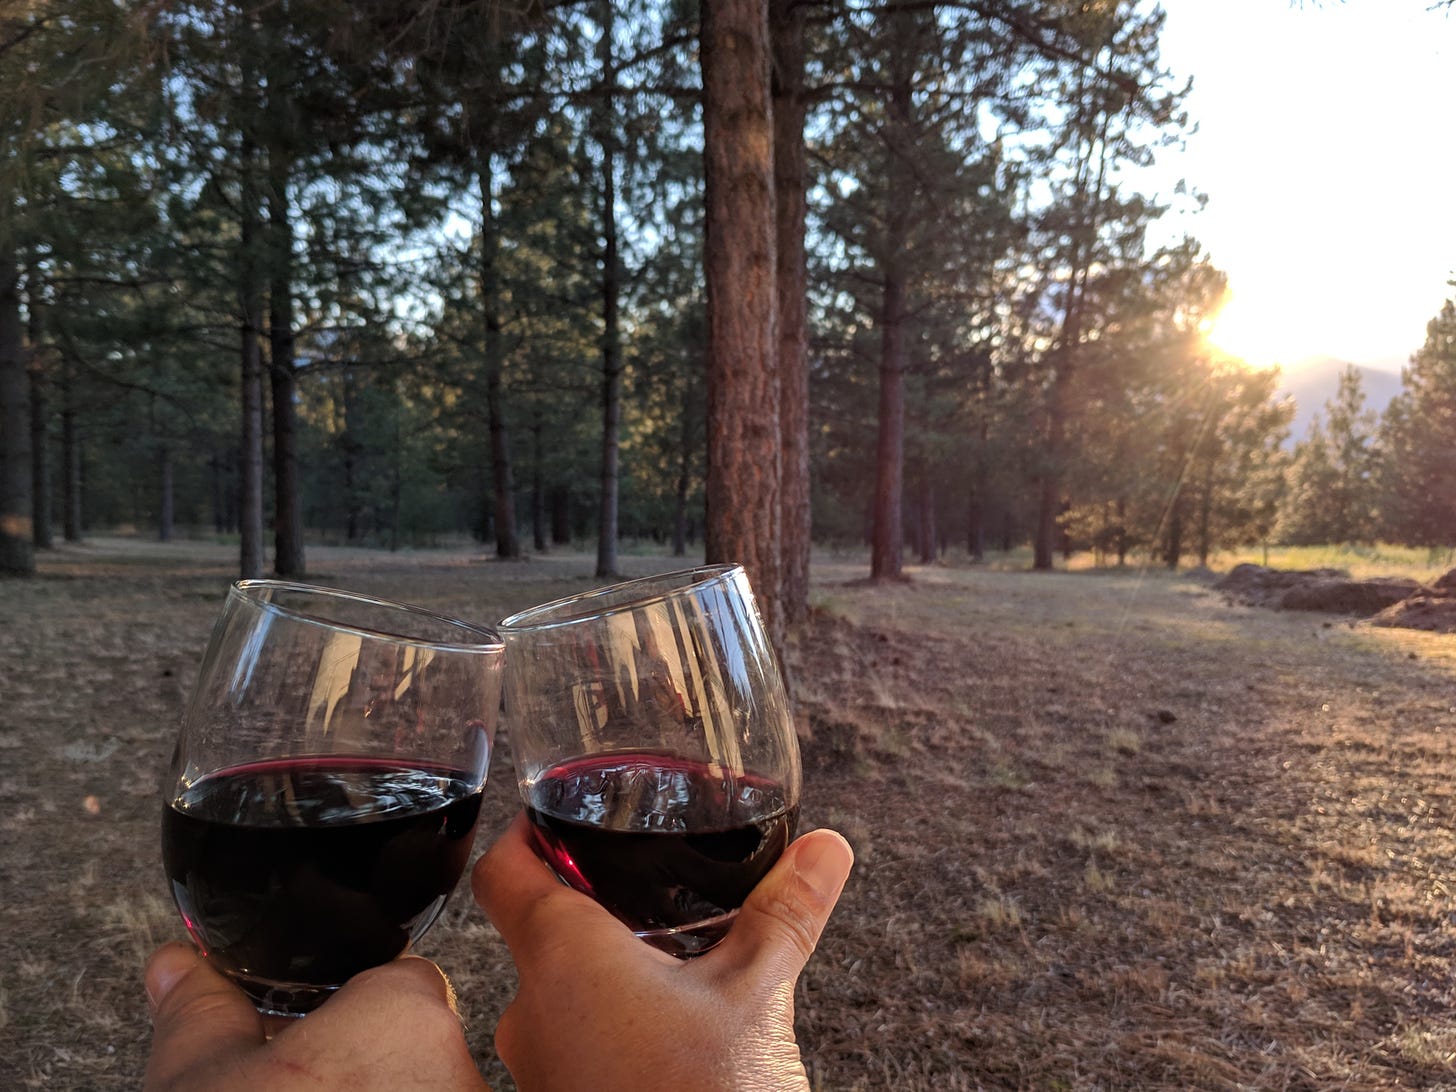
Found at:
[1112, 833]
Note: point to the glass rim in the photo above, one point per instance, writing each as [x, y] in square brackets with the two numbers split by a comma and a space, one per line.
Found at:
[616, 598]
[489, 641]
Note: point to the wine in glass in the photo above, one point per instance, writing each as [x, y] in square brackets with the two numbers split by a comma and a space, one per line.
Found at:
[654, 748]
[323, 795]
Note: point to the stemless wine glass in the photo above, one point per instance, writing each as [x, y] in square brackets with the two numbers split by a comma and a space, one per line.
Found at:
[324, 791]
[654, 748]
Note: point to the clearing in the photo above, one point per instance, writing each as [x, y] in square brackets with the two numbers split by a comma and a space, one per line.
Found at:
[1113, 832]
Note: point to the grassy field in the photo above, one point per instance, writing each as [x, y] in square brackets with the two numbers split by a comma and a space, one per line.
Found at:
[1112, 832]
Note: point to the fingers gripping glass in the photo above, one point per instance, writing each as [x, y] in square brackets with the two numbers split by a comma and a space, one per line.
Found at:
[654, 748]
[325, 787]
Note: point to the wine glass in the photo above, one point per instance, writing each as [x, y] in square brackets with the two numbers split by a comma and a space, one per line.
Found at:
[654, 748]
[326, 783]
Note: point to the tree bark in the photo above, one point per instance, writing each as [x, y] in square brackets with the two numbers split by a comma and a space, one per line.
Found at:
[976, 526]
[1205, 511]
[684, 472]
[560, 504]
[1121, 535]
[396, 479]
[352, 448]
[1049, 488]
[288, 551]
[980, 481]
[71, 517]
[507, 544]
[744, 453]
[17, 546]
[887, 546]
[790, 106]
[1091, 176]
[929, 537]
[40, 453]
[250, 448]
[1049, 481]
[1173, 545]
[538, 490]
[605, 123]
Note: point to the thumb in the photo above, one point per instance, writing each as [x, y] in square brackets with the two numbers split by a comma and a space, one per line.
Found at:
[197, 1015]
[783, 917]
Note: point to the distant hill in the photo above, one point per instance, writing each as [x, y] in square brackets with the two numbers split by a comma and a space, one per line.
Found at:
[1315, 381]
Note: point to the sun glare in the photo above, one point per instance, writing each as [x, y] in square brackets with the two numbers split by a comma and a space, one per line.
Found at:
[1260, 338]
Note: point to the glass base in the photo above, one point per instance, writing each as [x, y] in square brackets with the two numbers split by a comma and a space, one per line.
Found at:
[281, 998]
[686, 941]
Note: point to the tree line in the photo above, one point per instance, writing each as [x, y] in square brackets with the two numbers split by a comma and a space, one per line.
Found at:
[737, 271]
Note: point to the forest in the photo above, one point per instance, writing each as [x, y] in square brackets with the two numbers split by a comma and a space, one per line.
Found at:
[550, 272]
[310, 286]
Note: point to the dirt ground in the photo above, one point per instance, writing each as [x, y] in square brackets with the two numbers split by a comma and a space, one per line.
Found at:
[1112, 831]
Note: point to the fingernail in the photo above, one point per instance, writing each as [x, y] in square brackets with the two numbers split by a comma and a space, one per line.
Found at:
[166, 969]
[823, 861]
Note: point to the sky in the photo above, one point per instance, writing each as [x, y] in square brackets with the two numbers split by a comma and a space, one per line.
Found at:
[1326, 149]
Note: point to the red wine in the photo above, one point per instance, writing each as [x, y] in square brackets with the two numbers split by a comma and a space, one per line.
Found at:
[662, 842]
[293, 875]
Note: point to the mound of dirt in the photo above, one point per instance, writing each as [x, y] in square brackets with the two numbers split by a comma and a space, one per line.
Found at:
[1345, 596]
[1258, 586]
[1385, 601]
[1432, 609]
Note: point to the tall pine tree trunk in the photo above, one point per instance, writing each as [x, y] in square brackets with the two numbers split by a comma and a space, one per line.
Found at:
[1049, 481]
[71, 518]
[538, 488]
[288, 559]
[929, 535]
[980, 481]
[503, 487]
[40, 451]
[250, 447]
[17, 548]
[1090, 180]
[684, 470]
[559, 503]
[744, 451]
[786, 26]
[887, 545]
[1173, 542]
[976, 526]
[605, 124]
[352, 448]
[1205, 511]
[1121, 536]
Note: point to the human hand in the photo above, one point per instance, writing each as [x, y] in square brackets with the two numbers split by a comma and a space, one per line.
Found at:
[392, 1027]
[598, 1008]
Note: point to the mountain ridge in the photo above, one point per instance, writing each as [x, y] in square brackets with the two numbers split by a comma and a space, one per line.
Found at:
[1312, 382]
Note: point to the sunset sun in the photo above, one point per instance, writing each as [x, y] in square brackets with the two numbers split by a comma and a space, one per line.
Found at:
[1260, 336]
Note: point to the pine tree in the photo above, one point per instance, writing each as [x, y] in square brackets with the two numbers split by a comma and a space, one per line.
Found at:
[1332, 484]
[1418, 442]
